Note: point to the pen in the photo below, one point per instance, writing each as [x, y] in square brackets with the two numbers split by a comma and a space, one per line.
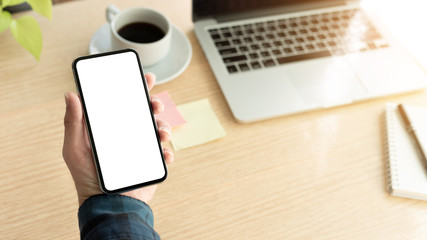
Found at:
[413, 132]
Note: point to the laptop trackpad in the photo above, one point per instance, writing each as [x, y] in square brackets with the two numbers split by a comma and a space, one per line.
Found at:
[326, 82]
[386, 71]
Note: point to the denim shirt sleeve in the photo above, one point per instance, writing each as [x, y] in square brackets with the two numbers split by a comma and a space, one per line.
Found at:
[115, 217]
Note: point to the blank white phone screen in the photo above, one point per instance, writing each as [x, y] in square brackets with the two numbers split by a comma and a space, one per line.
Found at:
[119, 116]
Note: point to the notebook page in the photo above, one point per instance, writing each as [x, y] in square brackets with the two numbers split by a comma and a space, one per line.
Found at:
[408, 176]
[418, 118]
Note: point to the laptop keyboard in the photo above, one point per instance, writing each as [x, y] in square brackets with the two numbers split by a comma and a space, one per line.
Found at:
[271, 43]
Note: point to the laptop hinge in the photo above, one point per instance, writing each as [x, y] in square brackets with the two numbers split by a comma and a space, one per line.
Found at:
[280, 10]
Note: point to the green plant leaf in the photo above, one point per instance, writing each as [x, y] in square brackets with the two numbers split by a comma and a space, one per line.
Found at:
[6, 3]
[27, 32]
[42, 7]
[5, 19]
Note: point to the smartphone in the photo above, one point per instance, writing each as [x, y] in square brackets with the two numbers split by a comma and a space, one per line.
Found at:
[119, 119]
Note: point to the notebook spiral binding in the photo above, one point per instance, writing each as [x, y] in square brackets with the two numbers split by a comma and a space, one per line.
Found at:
[391, 157]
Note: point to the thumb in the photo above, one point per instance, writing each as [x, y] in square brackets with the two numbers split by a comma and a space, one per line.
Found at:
[73, 122]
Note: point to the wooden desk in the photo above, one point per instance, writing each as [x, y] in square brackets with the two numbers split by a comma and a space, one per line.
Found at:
[318, 175]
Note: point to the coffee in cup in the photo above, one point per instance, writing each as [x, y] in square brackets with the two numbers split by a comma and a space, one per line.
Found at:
[141, 32]
[143, 29]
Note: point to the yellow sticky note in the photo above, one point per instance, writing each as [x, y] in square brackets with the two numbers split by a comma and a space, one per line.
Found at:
[202, 125]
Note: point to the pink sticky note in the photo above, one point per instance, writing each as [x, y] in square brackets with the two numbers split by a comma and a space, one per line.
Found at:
[171, 113]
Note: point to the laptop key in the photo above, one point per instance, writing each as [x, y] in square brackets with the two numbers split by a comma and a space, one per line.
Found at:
[266, 45]
[244, 49]
[249, 31]
[332, 43]
[277, 43]
[259, 38]
[381, 43]
[243, 67]
[299, 48]
[253, 55]
[248, 39]
[300, 40]
[215, 36]
[238, 33]
[222, 43]
[287, 50]
[321, 36]
[265, 54]
[372, 45]
[307, 56]
[235, 59]
[321, 45]
[277, 52]
[268, 63]
[236, 41]
[282, 34]
[232, 69]
[227, 34]
[227, 51]
[370, 36]
[255, 47]
[309, 46]
[256, 65]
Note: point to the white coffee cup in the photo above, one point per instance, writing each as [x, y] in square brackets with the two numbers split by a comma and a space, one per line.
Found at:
[150, 53]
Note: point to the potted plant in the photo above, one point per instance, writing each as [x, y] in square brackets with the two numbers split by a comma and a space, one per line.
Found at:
[25, 29]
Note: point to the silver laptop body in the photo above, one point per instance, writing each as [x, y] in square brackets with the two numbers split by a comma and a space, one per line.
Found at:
[279, 57]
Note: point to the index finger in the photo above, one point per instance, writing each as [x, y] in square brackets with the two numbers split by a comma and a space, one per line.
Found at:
[151, 80]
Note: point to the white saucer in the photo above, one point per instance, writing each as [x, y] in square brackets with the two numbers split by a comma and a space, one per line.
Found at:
[170, 67]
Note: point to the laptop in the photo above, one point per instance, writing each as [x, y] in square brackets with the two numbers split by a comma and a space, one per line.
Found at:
[279, 57]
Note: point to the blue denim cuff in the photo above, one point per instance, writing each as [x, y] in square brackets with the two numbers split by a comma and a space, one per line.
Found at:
[115, 216]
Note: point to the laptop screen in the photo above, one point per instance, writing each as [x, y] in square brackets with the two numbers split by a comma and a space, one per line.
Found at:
[209, 8]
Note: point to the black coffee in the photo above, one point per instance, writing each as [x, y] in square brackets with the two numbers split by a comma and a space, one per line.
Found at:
[141, 32]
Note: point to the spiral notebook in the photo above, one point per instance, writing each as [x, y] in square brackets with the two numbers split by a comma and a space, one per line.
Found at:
[407, 176]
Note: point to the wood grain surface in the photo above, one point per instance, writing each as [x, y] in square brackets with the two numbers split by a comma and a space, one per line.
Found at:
[317, 175]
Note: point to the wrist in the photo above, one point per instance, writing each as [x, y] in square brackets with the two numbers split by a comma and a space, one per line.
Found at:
[144, 194]
[84, 193]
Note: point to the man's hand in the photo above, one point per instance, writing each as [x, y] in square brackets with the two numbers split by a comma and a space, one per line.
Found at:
[77, 151]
